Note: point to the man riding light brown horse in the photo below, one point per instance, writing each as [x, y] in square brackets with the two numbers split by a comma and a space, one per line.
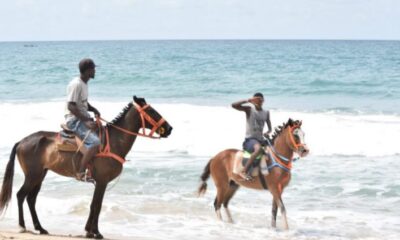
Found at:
[287, 140]
[256, 117]
[38, 153]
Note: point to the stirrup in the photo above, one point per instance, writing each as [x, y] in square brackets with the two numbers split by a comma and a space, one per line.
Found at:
[84, 177]
[246, 177]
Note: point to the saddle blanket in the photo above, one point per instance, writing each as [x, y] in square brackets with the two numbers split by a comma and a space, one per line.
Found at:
[68, 143]
[241, 159]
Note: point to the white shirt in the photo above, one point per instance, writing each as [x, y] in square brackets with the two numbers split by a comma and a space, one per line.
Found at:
[77, 92]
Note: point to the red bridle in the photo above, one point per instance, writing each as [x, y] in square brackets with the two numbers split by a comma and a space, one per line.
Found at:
[291, 137]
[144, 117]
[106, 152]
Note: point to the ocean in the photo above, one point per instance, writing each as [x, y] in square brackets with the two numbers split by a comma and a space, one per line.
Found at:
[347, 93]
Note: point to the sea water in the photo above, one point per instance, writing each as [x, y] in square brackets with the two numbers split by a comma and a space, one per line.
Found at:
[347, 93]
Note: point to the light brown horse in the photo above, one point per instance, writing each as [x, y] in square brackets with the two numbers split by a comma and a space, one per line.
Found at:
[37, 153]
[287, 139]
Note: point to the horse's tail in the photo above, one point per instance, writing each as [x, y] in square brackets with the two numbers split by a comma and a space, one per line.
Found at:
[204, 177]
[6, 189]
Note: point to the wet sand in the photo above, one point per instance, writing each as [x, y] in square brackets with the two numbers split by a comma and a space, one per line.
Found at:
[5, 235]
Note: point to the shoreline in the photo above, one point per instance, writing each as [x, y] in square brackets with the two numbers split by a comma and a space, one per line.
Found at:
[29, 235]
[6, 234]
[9, 233]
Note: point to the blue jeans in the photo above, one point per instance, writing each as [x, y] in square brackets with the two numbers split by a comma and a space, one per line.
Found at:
[80, 129]
[248, 144]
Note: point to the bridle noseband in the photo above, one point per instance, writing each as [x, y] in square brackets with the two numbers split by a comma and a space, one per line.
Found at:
[146, 117]
[106, 151]
[296, 146]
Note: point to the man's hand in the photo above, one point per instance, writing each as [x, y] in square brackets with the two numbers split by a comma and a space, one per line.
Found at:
[96, 113]
[91, 125]
[94, 110]
[257, 101]
[266, 134]
[254, 99]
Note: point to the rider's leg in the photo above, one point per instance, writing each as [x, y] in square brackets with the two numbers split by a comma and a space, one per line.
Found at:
[87, 156]
[91, 142]
[256, 152]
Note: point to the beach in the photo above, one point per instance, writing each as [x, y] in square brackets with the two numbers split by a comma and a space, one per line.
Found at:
[345, 92]
[32, 236]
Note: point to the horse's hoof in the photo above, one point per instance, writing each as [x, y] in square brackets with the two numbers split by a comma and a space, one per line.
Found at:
[98, 236]
[89, 235]
[22, 230]
[43, 231]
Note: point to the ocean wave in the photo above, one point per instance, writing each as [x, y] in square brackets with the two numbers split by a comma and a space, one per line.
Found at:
[206, 130]
[336, 83]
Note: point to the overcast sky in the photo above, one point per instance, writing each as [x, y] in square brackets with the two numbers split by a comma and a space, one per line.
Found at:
[26, 20]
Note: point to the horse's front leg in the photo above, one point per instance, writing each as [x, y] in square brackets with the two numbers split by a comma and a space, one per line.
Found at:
[278, 203]
[274, 213]
[88, 226]
[95, 208]
[283, 212]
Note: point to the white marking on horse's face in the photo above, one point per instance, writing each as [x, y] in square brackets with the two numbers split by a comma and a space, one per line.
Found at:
[299, 136]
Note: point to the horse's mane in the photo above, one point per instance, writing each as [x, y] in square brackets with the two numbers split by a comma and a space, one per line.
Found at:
[279, 129]
[122, 114]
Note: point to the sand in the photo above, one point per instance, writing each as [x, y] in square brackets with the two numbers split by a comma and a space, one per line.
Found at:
[4, 235]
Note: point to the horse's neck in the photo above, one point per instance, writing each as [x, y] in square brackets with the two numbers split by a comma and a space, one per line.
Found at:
[120, 142]
[281, 146]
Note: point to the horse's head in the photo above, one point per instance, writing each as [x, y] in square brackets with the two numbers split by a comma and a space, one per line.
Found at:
[295, 138]
[151, 119]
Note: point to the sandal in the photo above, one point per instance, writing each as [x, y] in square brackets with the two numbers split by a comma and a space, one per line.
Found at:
[84, 177]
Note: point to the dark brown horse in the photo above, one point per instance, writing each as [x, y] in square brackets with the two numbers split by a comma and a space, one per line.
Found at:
[37, 153]
[287, 139]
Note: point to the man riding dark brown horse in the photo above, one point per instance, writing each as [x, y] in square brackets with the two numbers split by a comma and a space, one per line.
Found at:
[38, 153]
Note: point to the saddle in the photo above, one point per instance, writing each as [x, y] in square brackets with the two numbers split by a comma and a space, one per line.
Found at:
[241, 159]
[67, 141]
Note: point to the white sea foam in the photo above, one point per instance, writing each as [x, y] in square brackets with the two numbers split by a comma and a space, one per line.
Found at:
[206, 130]
[347, 188]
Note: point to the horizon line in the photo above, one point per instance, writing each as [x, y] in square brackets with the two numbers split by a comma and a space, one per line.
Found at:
[199, 39]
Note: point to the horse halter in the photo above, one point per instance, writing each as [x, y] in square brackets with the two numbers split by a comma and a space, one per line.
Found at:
[146, 117]
[296, 146]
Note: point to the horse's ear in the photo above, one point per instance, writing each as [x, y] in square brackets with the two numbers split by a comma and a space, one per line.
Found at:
[139, 101]
[301, 122]
[290, 122]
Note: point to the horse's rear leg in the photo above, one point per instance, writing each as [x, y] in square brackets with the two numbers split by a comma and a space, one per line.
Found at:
[219, 172]
[21, 195]
[32, 202]
[233, 187]
[219, 199]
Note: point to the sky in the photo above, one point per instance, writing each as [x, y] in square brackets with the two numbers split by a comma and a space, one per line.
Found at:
[48, 20]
